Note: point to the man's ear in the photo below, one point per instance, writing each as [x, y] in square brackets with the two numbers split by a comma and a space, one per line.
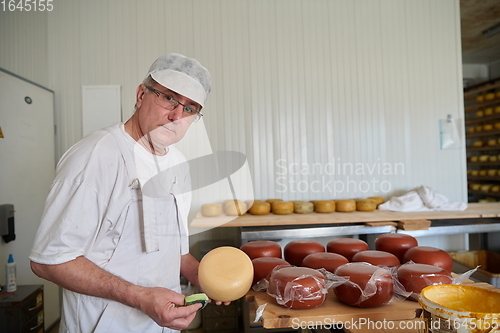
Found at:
[139, 95]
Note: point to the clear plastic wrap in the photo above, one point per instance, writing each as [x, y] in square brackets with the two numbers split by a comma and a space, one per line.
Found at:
[301, 287]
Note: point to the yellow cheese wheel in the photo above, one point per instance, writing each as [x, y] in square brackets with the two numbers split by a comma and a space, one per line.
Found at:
[347, 205]
[479, 128]
[474, 173]
[235, 208]
[230, 201]
[497, 125]
[486, 187]
[480, 98]
[498, 141]
[497, 94]
[471, 130]
[482, 173]
[484, 158]
[489, 96]
[476, 187]
[260, 208]
[282, 207]
[477, 143]
[479, 113]
[211, 210]
[225, 274]
[273, 200]
[493, 158]
[497, 109]
[492, 172]
[303, 207]
[495, 188]
[488, 111]
[365, 205]
[492, 142]
[378, 200]
[474, 159]
[487, 127]
[324, 206]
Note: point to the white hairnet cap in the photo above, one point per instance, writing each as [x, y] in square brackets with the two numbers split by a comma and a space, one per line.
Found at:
[183, 75]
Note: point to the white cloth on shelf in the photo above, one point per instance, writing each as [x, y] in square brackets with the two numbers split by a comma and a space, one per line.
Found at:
[422, 199]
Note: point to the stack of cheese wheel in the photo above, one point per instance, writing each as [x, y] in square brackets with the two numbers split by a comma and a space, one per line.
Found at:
[261, 248]
[295, 251]
[377, 258]
[282, 207]
[263, 266]
[368, 286]
[297, 287]
[225, 274]
[415, 277]
[431, 256]
[347, 205]
[324, 206]
[396, 244]
[260, 208]
[326, 260]
[234, 207]
[346, 247]
[211, 210]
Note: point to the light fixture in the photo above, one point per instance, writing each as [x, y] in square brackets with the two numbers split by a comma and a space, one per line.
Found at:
[492, 31]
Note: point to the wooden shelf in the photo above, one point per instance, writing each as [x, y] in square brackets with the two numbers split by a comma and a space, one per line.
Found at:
[479, 106]
[493, 194]
[483, 163]
[494, 132]
[473, 91]
[494, 178]
[497, 147]
[484, 119]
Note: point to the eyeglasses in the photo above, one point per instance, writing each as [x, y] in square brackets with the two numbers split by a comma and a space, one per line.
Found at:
[170, 103]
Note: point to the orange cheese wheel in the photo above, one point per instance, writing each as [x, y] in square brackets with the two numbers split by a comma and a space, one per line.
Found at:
[303, 207]
[282, 207]
[488, 111]
[487, 127]
[273, 200]
[477, 144]
[378, 200]
[348, 205]
[225, 274]
[260, 208]
[324, 206]
[366, 205]
[261, 248]
[211, 210]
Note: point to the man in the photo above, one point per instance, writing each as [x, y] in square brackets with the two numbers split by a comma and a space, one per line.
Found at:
[115, 248]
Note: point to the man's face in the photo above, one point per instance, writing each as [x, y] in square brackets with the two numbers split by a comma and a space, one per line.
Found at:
[163, 126]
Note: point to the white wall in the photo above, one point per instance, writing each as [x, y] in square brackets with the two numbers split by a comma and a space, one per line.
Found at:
[313, 82]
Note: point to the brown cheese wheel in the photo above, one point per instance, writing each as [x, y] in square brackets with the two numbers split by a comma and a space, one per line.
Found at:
[260, 208]
[348, 205]
[261, 248]
[297, 287]
[211, 210]
[377, 258]
[431, 256]
[359, 274]
[295, 251]
[395, 243]
[263, 266]
[303, 207]
[366, 205]
[415, 277]
[282, 207]
[326, 260]
[324, 206]
[273, 200]
[346, 247]
[378, 200]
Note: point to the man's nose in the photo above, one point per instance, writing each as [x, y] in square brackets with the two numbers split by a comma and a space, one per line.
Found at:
[176, 113]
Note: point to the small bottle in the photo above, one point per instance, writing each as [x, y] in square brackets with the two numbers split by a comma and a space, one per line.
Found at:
[10, 275]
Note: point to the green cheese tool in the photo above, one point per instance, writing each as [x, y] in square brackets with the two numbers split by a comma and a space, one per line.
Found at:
[197, 298]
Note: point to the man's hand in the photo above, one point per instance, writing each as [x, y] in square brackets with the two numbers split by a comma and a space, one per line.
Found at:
[166, 308]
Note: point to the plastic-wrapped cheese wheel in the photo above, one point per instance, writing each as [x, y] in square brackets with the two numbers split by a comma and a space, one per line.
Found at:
[346, 247]
[326, 260]
[431, 256]
[260, 208]
[211, 210]
[295, 251]
[377, 258]
[261, 248]
[225, 274]
[303, 207]
[263, 266]
[368, 286]
[297, 287]
[324, 206]
[395, 243]
[347, 205]
[415, 277]
[366, 205]
[282, 207]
